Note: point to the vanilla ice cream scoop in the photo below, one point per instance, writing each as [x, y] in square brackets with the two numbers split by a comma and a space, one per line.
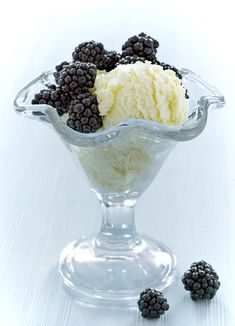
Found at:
[141, 91]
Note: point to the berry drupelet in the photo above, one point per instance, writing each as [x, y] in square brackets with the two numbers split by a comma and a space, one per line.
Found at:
[77, 77]
[58, 69]
[53, 96]
[92, 52]
[140, 45]
[84, 114]
[201, 280]
[152, 304]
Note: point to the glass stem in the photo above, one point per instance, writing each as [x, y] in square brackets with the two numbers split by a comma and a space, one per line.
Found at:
[118, 224]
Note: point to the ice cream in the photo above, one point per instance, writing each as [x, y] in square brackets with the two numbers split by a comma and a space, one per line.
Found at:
[126, 166]
[140, 90]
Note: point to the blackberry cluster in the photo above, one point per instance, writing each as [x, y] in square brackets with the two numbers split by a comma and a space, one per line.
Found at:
[130, 59]
[77, 77]
[141, 45]
[201, 280]
[152, 304]
[84, 114]
[58, 69]
[92, 52]
[110, 60]
[53, 96]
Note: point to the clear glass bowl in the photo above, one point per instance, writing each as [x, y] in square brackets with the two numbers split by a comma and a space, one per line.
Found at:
[116, 264]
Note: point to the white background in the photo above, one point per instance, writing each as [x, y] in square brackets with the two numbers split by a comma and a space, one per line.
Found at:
[44, 201]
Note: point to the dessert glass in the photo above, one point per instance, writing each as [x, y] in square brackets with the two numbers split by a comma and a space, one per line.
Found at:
[116, 264]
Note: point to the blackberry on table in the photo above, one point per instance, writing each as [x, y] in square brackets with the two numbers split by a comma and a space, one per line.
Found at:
[53, 96]
[152, 304]
[141, 45]
[84, 114]
[58, 69]
[201, 280]
[92, 52]
[77, 77]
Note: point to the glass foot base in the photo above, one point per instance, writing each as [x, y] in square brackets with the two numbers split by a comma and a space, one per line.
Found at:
[98, 272]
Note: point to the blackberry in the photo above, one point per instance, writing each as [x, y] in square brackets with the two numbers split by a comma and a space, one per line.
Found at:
[141, 45]
[166, 66]
[110, 60]
[201, 280]
[92, 52]
[53, 96]
[58, 69]
[77, 77]
[130, 59]
[84, 114]
[152, 304]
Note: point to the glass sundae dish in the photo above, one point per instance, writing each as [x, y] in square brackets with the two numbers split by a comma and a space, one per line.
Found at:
[120, 160]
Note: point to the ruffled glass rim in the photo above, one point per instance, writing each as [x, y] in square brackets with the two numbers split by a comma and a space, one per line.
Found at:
[193, 127]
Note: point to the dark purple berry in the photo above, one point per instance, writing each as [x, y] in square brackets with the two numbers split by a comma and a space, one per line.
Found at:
[141, 45]
[55, 97]
[201, 280]
[90, 52]
[152, 304]
[77, 77]
[84, 114]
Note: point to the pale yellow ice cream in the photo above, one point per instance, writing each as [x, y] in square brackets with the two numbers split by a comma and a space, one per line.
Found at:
[142, 91]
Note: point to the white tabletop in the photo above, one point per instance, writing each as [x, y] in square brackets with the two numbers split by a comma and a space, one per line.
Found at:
[44, 201]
